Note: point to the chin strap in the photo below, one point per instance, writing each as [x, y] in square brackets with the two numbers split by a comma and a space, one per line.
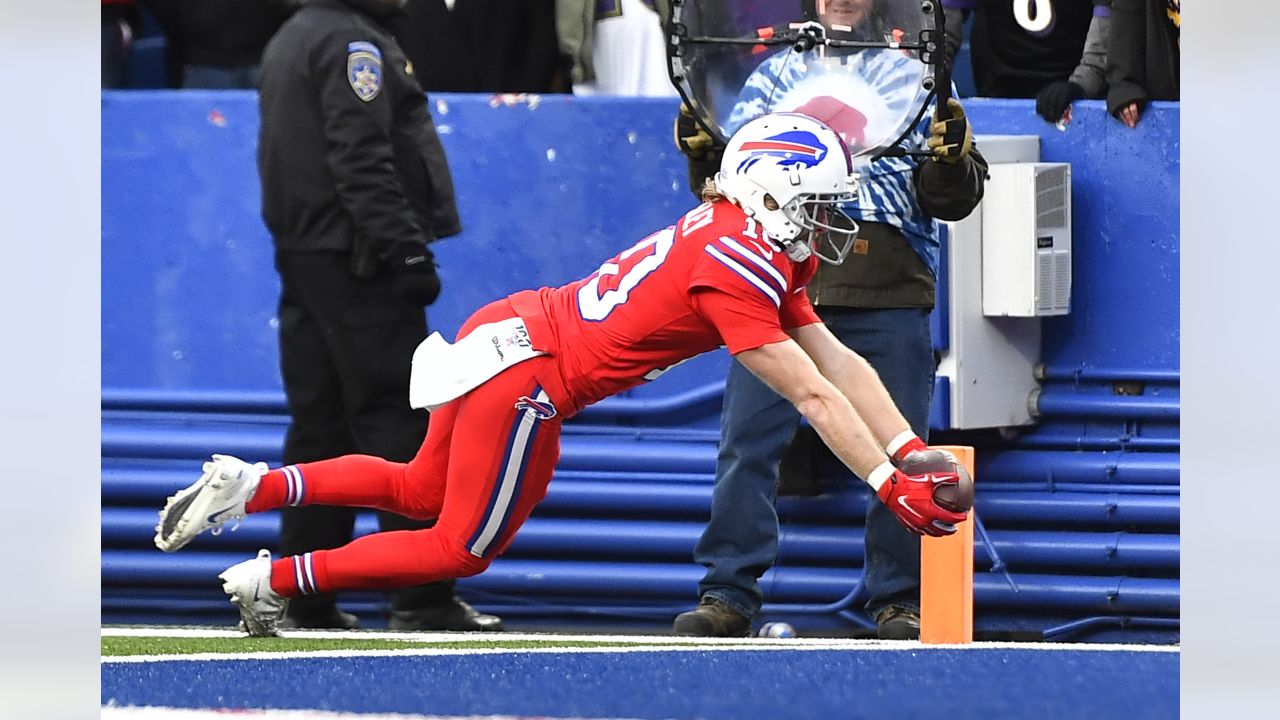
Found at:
[799, 251]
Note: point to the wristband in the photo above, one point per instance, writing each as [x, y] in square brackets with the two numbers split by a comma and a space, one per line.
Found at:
[901, 440]
[881, 475]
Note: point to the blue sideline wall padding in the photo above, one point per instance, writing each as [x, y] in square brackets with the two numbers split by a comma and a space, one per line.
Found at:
[547, 190]
[1082, 509]
[1125, 239]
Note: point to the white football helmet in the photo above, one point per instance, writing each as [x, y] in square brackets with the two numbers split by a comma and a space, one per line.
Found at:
[790, 172]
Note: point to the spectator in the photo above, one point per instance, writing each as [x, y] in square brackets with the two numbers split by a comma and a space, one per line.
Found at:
[1143, 54]
[736, 276]
[623, 53]
[119, 18]
[1050, 50]
[355, 184]
[491, 46]
[876, 302]
[219, 44]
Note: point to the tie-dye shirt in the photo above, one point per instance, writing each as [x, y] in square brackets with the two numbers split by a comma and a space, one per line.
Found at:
[886, 193]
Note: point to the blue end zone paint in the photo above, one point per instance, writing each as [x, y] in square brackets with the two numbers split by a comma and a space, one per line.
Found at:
[740, 685]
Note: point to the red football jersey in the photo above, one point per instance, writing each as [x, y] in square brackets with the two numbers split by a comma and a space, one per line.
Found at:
[709, 280]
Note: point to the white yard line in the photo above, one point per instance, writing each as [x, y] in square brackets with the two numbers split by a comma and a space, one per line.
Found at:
[616, 643]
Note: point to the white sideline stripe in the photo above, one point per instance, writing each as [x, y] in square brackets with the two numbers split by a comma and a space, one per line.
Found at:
[180, 631]
[621, 643]
[152, 712]
[441, 652]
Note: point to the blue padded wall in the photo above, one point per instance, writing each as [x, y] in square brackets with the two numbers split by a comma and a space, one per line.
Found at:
[1125, 195]
[1082, 509]
[547, 190]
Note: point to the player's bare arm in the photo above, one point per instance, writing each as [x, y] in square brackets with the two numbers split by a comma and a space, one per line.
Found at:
[855, 378]
[786, 368]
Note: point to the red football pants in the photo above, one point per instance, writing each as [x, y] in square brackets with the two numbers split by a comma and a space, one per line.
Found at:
[485, 463]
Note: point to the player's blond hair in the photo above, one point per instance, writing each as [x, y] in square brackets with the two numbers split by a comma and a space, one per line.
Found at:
[711, 192]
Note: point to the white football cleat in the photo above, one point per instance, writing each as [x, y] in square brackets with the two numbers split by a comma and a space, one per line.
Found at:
[249, 585]
[218, 496]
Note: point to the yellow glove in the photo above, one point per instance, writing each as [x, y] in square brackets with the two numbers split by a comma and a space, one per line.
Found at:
[950, 139]
[692, 140]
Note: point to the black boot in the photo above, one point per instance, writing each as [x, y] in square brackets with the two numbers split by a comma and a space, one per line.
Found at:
[334, 619]
[454, 615]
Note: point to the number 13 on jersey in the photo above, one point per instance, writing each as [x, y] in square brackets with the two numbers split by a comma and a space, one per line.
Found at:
[616, 278]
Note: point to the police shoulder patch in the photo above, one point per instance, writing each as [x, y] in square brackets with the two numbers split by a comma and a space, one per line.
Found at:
[364, 69]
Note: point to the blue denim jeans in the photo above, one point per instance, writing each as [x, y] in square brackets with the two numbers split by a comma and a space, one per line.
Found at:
[741, 540]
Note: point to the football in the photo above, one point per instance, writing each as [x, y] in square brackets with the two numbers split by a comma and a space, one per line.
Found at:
[956, 497]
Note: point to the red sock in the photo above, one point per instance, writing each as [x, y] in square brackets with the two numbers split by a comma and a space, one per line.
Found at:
[382, 561]
[301, 574]
[348, 481]
[272, 492]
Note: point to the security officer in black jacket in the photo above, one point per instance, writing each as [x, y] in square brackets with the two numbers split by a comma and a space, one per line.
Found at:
[355, 185]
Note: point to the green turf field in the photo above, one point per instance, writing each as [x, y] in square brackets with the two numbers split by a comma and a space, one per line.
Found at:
[123, 641]
[114, 646]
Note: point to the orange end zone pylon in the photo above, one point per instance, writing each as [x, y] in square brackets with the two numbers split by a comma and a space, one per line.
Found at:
[946, 576]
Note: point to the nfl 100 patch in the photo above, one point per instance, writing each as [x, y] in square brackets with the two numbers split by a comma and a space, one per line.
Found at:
[364, 69]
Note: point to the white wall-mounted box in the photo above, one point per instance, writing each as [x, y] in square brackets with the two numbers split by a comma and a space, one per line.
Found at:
[1026, 240]
[989, 361]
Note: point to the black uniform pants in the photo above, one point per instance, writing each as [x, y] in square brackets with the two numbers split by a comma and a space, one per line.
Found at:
[345, 351]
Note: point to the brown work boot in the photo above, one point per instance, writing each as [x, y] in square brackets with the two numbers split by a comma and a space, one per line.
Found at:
[895, 622]
[712, 618]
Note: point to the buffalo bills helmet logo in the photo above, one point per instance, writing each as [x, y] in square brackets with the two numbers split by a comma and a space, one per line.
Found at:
[541, 409]
[789, 148]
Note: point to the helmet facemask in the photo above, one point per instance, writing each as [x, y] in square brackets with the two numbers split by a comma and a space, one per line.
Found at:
[826, 230]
